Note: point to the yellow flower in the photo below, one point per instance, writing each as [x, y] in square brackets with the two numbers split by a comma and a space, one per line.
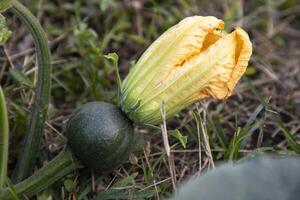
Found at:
[192, 60]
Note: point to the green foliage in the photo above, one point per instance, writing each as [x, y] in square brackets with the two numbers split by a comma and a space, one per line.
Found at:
[20, 77]
[4, 5]
[122, 189]
[4, 32]
[12, 190]
[4, 140]
[45, 195]
[261, 178]
[92, 68]
[115, 58]
[242, 134]
[68, 184]
[276, 118]
[177, 134]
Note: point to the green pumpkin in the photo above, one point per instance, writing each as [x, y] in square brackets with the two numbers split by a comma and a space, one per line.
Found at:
[100, 135]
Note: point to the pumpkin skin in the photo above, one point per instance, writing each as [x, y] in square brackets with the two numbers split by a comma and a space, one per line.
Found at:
[100, 135]
[261, 177]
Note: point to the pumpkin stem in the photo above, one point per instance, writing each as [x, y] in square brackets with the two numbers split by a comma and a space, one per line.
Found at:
[62, 165]
[42, 93]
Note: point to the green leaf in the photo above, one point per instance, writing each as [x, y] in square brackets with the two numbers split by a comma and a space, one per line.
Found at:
[69, 185]
[12, 190]
[4, 5]
[126, 195]
[242, 134]
[125, 181]
[182, 139]
[115, 58]
[20, 77]
[260, 178]
[104, 4]
[123, 190]
[276, 117]
[4, 32]
[218, 130]
[45, 195]
[4, 140]
[250, 71]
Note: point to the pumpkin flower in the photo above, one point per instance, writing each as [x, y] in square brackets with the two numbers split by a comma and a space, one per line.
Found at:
[192, 60]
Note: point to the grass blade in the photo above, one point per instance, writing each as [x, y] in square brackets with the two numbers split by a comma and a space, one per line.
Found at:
[4, 137]
[276, 117]
[12, 190]
[4, 5]
[20, 77]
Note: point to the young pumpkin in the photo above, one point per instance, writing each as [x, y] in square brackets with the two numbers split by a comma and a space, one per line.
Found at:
[100, 135]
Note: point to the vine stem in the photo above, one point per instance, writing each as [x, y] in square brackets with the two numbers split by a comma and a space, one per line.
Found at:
[56, 169]
[42, 93]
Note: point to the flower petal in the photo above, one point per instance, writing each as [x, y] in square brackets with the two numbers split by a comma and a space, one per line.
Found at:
[193, 76]
[222, 85]
[171, 49]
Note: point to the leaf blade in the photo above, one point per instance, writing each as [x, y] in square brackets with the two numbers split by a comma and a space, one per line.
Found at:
[177, 134]
[4, 139]
[4, 5]
[20, 77]
[4, 32]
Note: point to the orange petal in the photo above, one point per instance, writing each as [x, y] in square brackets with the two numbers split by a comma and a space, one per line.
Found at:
[222, 85]
[171, 49]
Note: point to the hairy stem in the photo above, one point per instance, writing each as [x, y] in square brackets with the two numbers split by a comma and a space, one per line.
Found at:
[42, 93]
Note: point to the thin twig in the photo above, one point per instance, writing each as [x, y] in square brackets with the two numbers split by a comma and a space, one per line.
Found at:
[199, 148]
[205, 137]
[167, 146]
[152, 174]
[157, 183]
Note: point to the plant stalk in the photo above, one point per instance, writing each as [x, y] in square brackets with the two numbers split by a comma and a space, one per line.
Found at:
[4, 140]
[53, 171]
[42, 93]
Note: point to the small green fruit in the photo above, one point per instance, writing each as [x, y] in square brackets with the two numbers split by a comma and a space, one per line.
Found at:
[100, 135]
